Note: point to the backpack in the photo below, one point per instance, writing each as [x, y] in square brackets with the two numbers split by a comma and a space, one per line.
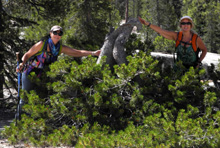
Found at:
[192, 42]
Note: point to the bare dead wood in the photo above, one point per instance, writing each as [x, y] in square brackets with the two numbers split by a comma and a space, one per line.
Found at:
[113, 47]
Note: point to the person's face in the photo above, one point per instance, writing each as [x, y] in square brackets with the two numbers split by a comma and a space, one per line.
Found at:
[185, 25]
[56, 36]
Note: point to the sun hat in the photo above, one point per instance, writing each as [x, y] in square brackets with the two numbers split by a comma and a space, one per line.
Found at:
[56, 27]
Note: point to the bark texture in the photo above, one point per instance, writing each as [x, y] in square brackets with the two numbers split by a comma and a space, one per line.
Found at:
[113, 47]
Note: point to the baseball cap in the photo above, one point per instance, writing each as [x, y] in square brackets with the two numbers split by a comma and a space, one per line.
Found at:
[56, 27]
[187, 17]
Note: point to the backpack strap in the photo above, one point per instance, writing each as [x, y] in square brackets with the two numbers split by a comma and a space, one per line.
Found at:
[60, 47]
[194, 39]
[194, 44]
[179, 38]
[42, 48]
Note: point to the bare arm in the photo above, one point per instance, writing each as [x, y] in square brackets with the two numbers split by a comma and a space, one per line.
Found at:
[170, 35]
[33, 50]
[202, 47]
[78, 53]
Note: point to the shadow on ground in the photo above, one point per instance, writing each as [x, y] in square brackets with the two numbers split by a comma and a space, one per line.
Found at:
[6, 117]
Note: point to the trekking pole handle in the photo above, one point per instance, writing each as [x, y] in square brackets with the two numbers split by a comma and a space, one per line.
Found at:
[18, 62]
[17, 56]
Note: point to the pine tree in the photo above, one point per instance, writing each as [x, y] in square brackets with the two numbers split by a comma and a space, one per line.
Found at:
[90, 23]
[91, 100]
[10, 43]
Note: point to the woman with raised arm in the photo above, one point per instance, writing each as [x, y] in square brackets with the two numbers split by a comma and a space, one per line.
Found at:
[188, 43]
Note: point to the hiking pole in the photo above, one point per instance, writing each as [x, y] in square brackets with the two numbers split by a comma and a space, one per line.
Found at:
[17, 115]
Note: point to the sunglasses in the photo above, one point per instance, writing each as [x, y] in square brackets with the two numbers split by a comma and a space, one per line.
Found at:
[186, 23]
[56, 33]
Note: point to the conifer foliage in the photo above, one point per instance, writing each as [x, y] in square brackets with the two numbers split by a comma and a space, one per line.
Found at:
[84, 104]
[137, 105]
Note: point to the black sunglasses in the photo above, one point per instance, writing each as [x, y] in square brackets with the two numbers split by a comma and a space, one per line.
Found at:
[186, 23]
[60, 33]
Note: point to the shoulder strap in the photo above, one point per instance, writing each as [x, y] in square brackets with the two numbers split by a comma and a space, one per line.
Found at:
[42, 48]
[179, 38]
[60, 47]
[194, 39]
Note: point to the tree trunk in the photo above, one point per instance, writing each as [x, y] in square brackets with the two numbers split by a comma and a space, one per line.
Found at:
[113, 47]
[158, 13]
[177, 4]
[126, 10]
[134, 8]
[1, 51]
[1, 70]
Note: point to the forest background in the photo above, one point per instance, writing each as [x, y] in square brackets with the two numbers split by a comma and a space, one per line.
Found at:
[136, 105]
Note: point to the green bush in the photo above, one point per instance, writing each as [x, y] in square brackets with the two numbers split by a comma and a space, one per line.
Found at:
[163, 45]
[159, 130]
[87, 105]
[135, 43]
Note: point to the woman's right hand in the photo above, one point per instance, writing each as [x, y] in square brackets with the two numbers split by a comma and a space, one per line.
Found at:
[19, 69]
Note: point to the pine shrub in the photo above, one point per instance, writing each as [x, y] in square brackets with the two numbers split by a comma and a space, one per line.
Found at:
[87, 105]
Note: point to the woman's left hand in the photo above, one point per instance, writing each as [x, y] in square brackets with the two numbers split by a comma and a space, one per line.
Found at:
[96, 53]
